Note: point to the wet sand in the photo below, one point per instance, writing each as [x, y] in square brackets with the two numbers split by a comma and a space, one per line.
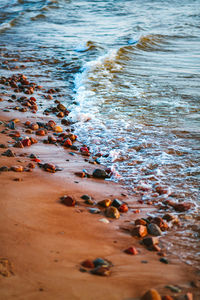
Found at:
[45, 241]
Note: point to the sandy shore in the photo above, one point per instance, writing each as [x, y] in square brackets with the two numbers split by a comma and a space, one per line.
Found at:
[44, 241]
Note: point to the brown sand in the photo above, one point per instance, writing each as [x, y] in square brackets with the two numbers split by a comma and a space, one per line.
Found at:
[45, 241]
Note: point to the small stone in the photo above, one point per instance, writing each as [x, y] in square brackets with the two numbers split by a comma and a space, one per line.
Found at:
[101, 262]
[58, 129]
[4, 169]
[112, 212]
[60, 114]
[123, 208]
[68, 200]
[17, 168]
[181, 207]
[34, 126]
[85, 197]
[140, 231]
[103, 220]
[88, 264]
[94, 211]
[61, 107]
[101, 271]
[3, 146]
[131, 250]
[164, 260]
[31, 165]
[116, 203]
[26, 142]
[152, 294]
[105, 203]
[173, 288]
[140, 222]
[18, 145]
[168, 217]
[41, 132]
[67, 143]
[49, 168]
[51, 124]
[33, 141]
[98, 173]
[153, 229]
[9, 153]
[150, 241]
[80, 174]
[160, 223]
[167, 297]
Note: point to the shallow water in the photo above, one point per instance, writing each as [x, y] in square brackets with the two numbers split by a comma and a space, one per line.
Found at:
[130, 73]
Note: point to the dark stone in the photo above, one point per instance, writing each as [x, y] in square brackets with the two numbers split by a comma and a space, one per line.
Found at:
[98, 173]
[101, 262]
[9, 153]
[4, 169]
[164, 260]
[150, 241]
[153, 229]
[116, 203]
[3, 146]
[101, 271]
[86, 197]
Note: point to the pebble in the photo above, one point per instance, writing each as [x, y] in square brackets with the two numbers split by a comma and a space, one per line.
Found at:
[9, 153]
[140, 222]
[17, 168]
[123, 208]
[3, 146]
[68, 200]
[112, 212]
[181, 207]
[105, 203]
[131, 250]
[164, 260]
[88, 264]
[18, 145]
[140, 231]
[101, 262]
[101, 271]
[41, 132]
[49, 168]
[153, 229]
[103, 220]
[4, 169]
[150, 241]
[173, 288]
[116, 203]
[26, 142]
[98, 173]
[85, 197]
[152, 294]
[58, 128]
[94, 211]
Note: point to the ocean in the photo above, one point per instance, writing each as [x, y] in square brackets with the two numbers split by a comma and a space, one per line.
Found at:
[129, 72]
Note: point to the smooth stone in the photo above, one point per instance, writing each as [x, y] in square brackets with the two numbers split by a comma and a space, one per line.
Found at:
[140, 222]
[116, 203]
[112, 212]
[85, 197]
[153, 229]
[101, 271]
[173, 288]
[103, 220]
[123, 208]
[101, 262]
[164, 260]
[3, 146]
[68, 200]
[105, 203]
[88, 264]
[98, 173]
[152, 294]
[140, 231]
[150, 241]
[17, 168]
[94, 211]
[4, 169]
[131, 250]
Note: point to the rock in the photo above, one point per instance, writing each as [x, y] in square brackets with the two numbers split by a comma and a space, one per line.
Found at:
[98, 173]
[150, 241]
[153, 229]
[181, 207]
[173, 288]
[103, 220]
[101, 262]
[152, 294]
[4, 169]
[168, 217]
[26, 142]
[101, 271]
[9, 153]
[189, 296]
[116, 203]
[15, 134]
[67, 143]
[94, 211]
[18, 145]
[167, 297]
[31, 165]
[33, 141]
[34, 126]
[85, 197]
[80, 174]
[160, 222]
[61, 107]
[140, 222]
[3, 146]
[51, 124]
[41, 132]
[131, 250]
[140, 231]
[17, 168]
[123, 208]
[164, 260]
[58, 128]
[88, 264]
[49, 168]
[105, 203]
[112, 212]
[68, 200]
[60, 114]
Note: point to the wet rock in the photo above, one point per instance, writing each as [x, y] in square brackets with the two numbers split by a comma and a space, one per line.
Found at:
[160, 222]
[102, 262]
[140, 222]
[11, 125]
[116, 203]
[31, 165]
[15, 134]
[3, 146]
[18, 145]
[33, 141]
[88, 264]
[17, 168]
[80, 174]
[153, 229]
[41, 132]
[58, 128]
[181, 207]
[51, 124]
[131, 251]
[168, 217]
[105, 203]
[94, 211]
[173, 288]
[150, 241]
[164, 260]
[34, 126]
[140, 231]
[49, 168]
[152, 294]
[61, 107]
[123, 208]
[60, 114]
[68, 201]
[112, 212]
[98, 173]
[101, 271]
[4, 169]
[9, 153]
[85, 197]
[67, 143]
[26, 142]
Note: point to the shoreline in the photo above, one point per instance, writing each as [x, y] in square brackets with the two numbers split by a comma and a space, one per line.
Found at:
[46, 241]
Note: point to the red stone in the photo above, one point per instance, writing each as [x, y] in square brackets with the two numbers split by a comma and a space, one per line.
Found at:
[26, 142]
[131, 250]
[32, 99]
[33, 141]
[84, 149]
[123, 208]
[67, 143]
[140, 222]
[68, 201]
[49, 168]
[34, 126]
[80, 174]
[40, 132]
[88, 264]
[181, 207]
[31, 165]
[140, 231]
[36, 160]
[27, 123]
